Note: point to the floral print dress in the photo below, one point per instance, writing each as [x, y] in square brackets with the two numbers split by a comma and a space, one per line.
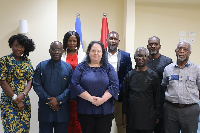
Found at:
[16, 74]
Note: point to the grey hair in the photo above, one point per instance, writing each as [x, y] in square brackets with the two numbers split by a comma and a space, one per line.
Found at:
[190, 47]
[142, 49]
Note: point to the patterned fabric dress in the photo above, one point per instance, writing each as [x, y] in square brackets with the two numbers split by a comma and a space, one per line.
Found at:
[74, 124]
[16, 74]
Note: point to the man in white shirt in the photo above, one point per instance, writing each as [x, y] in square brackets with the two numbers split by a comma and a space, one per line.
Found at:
[121, 61]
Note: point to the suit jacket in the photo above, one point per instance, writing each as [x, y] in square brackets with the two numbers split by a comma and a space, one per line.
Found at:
[124, 65]
[52, 79]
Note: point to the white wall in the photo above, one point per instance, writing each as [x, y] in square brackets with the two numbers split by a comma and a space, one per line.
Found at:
[91, 14]
[165, 20]
[129, 28]
[42, 21]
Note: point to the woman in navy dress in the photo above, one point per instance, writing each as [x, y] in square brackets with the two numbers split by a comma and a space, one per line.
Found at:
[95, 85]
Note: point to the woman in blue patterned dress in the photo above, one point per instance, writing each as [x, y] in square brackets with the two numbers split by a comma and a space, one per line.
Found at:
[16, 73]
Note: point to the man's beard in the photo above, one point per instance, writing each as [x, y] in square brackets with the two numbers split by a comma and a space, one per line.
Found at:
[112, 48]
[153, 52]
[181, 59]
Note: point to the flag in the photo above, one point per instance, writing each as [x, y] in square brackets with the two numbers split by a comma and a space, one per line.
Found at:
[78, 30]
[104, 31]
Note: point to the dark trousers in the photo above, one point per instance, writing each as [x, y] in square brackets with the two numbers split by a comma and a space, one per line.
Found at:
[95, 123]
[181, 119]
[159, 128]
[130, 130]
[47, 127]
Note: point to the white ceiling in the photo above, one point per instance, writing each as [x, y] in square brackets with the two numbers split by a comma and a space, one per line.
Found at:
[169, 1]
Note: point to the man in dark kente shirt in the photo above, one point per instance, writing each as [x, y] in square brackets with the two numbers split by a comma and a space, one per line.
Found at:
[51, 83]
[158, 62]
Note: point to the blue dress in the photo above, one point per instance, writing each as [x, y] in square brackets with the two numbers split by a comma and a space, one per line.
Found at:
[16, 74]
[94, 80]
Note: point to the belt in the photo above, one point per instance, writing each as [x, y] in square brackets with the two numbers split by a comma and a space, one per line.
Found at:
[178, 105]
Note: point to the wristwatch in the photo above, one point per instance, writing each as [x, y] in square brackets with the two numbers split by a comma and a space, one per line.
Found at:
[14, 97]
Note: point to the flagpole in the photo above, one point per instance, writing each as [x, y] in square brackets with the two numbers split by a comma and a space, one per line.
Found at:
[77, 15]
[104, 15]
[79, 31]
[104, 30]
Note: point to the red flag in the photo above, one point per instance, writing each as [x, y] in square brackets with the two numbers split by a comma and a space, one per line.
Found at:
[104, 31]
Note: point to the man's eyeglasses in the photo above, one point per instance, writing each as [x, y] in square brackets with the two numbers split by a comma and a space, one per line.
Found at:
[180, 49]
[56, 50]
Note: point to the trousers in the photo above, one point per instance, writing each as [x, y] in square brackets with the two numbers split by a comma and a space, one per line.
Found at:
[181, 119]
[118, 117]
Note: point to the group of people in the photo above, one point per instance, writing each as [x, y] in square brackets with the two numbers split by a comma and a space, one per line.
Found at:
[82, 94]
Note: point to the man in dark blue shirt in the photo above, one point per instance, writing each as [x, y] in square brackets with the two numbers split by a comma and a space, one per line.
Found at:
[157, 63]
[51, 83]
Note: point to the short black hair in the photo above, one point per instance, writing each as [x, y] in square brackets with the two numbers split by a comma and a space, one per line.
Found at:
[154, 37]
[23, 40]
[104, 59]
[66, 37]
[112, 32]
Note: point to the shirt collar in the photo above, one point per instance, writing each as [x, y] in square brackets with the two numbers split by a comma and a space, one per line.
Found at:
[113, 54]
[55, 63]
[186, 65]
[155, 58]
[13, 59]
